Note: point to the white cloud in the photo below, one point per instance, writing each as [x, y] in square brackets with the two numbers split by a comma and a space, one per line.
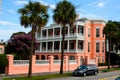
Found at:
[52, 6]
[11, 11]
[100, 4]
[19, 2]
[7, 23]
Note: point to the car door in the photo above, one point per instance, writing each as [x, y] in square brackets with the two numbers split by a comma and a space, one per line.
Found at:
[88, 70]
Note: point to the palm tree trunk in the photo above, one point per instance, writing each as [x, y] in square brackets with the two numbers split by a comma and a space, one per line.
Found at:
[62, 51]
[31, 53]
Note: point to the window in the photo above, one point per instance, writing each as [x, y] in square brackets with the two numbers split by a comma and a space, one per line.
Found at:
[88, 46]
[71, 30]
[0, 50]
[97, 32]
[103, 59]
[57, 31]
[38, 34]
[56, 57]
[97, 47]
[50, 44]
[102, 46]
[56, 45]
[37, 57]
[71, 46]
[65, 45]
[71, 58]
[42, 57]
[43, 46]
[44, 33]
[80, 29]
[80, 44]
[88, 32]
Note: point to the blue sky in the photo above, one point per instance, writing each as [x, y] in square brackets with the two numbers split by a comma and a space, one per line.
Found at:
[94, 9]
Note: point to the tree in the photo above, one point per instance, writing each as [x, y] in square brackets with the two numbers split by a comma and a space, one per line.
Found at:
[110, 30]
[64, 14]
[33, 15]
[19, 44]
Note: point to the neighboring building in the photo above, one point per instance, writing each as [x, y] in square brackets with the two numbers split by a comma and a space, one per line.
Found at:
[85, 39]
[2, 48]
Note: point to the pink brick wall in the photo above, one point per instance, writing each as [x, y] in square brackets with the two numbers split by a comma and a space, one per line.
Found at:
[12, 69]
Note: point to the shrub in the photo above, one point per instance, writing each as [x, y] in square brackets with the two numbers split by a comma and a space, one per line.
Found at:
[102, 64]
[3, 62]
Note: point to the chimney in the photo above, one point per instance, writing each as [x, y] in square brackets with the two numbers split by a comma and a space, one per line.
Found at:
[78, 16]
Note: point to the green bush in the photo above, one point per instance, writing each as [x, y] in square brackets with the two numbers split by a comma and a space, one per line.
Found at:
[3, 62]
[102, 64]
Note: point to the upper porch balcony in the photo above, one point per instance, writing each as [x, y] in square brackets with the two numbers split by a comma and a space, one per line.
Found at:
[76, 31]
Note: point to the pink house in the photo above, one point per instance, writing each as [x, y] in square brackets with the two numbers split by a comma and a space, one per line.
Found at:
[85, 39]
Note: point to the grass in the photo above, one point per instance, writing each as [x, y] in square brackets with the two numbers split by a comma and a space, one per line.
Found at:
[111, 69]
[40, 77]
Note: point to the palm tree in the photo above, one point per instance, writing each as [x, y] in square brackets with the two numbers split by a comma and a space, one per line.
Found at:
[110, 31]
[64, 13]
[33, 15]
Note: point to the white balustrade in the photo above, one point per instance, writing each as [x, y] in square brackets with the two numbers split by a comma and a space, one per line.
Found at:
[56, 61]
[21, 62]
[72, 62]
[42, 62]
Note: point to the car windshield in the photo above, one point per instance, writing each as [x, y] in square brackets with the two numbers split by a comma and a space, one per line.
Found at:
[82, 67]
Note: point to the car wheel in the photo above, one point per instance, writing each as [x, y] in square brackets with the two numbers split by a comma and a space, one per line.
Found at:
[84, 74]
[95, 72]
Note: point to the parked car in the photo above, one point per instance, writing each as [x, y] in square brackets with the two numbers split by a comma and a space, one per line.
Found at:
[84, 70]
[118, 78]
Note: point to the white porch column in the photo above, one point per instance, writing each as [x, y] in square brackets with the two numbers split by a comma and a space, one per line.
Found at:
[46, 46]
[76, 29]
[76, 45]
[47, 33]
[68, 45]
[60, 47]
[68, 30]
[60, 31]
[41, 34]
[53, 32]
[53, 46]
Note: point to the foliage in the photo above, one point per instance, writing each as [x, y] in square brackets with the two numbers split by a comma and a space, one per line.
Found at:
[50, 76]
[64, 14]
[110, 30]
[114, 58]
[102, 64]
[3, 62]
[20, 44]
